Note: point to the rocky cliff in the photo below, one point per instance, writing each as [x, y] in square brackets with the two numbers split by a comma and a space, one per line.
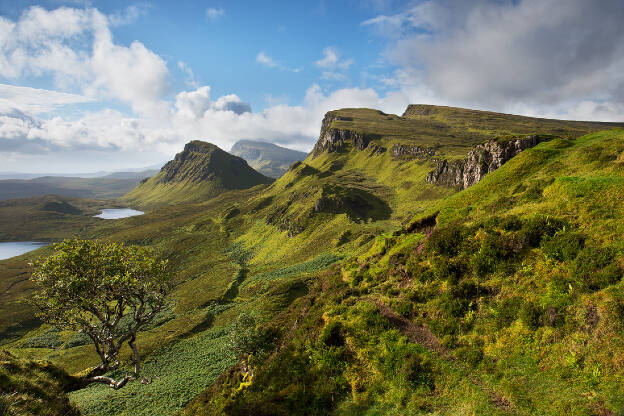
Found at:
[481, 160]
[333, 140]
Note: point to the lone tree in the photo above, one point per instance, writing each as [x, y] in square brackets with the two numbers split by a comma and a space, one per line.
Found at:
[106, 290]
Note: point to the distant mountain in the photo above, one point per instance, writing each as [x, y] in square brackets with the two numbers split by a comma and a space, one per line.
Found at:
[199, 172]
[111, 186]
[267, 158]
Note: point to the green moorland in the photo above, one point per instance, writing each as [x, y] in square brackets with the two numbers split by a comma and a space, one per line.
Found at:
[321, 293]
[512, 304]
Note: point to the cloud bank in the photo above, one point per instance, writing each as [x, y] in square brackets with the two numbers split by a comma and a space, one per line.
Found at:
[533, 57]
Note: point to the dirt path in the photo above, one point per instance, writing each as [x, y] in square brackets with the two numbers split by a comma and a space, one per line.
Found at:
[421, 334]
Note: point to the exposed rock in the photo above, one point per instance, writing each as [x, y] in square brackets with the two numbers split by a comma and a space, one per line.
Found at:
[404, 151]
[481, 160]
[333, 140]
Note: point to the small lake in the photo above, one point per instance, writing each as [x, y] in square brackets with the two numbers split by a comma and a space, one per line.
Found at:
[15, 248]
[118, 213]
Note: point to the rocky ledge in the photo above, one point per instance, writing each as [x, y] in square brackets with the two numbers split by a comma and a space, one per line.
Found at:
[481, 160]
[333, 140]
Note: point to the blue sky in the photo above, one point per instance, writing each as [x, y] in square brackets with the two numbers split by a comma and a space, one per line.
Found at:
[106, 85]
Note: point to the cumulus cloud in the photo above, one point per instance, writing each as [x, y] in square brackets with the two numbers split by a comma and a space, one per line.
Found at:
[541, 56]
[76, 48]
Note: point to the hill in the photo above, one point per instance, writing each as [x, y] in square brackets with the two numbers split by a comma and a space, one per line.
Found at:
[267, 158]
[199, 172]
[110, 186]
[318, 294]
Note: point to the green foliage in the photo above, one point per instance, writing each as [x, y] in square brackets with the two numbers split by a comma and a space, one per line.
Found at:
[332, 335]
[564, 245]
[106, 290]
[49, 339]
[596, 268]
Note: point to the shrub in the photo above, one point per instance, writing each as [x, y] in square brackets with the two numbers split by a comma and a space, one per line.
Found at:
[332, 334]
[417, 371]
[446, 240]
[536, 228]
[507, 311]
[595, 268]
[531, 315]
[563, 246]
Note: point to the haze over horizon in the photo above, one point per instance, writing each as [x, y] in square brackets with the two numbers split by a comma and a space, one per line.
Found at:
[91, 86]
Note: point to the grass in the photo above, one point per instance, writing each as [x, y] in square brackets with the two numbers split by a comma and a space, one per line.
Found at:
[271, 251]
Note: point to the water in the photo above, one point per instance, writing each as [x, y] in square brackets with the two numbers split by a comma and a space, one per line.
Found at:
[15, 248]
[117, 213]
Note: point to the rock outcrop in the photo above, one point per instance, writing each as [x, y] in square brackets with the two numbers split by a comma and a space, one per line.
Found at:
[333, 140]
[480, 161]
[404, 151]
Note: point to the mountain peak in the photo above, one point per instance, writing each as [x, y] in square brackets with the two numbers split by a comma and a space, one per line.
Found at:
[201, 171]
[267, 158]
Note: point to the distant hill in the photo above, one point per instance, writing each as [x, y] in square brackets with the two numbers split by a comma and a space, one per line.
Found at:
[111, 186]
[267, 158]
[199, 172]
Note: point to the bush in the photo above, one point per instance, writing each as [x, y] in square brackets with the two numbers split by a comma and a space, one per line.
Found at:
[446, 240]
[417, 371]
[507, 311]
[531, 315]
[595, 268]
[332, 335]
[538, 227]
[563, 246]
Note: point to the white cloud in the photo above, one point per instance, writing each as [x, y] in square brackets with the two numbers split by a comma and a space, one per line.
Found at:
[190, 80]
[77, 49]
[264, 59]
[35, 100]
[536, 57]
[214, 13]
[331, 60]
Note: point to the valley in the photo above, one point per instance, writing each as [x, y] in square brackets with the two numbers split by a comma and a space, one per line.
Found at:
[447, 261]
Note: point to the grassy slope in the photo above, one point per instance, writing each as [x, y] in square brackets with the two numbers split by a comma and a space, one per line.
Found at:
[33, 388]
[523, 319]
[257, 250]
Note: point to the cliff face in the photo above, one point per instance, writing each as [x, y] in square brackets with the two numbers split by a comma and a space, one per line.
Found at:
[333, 140]
[481, 160]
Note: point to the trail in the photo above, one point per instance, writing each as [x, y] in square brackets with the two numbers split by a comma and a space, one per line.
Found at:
[422, 335]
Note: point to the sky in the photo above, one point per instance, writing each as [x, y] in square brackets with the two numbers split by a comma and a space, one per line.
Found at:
[88, 86]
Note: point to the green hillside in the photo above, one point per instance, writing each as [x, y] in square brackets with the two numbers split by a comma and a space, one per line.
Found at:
[325, 292]
[267, 158]
[199, 172]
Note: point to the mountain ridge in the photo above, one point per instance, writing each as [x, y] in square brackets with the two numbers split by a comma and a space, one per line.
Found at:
[267, 158]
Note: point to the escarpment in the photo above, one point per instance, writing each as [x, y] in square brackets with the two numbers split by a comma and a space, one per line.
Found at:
[333, 140]
[480, 161]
